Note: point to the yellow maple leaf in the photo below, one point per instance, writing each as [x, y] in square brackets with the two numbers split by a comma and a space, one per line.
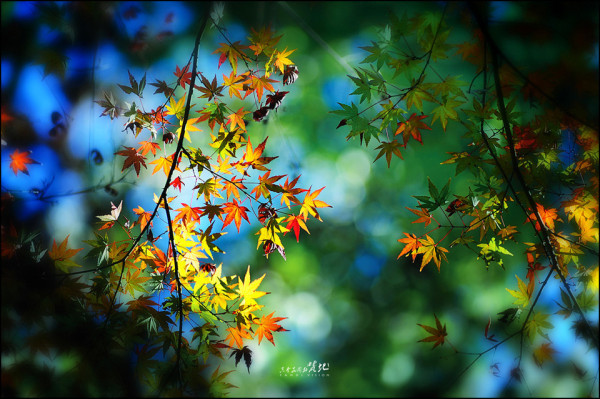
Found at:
[247, 289]
[281, 59]
[431, 250]
[522, 295]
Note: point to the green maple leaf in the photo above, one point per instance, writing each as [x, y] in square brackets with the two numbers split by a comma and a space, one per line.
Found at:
[446, 111]
[522, 295]
[389, 149]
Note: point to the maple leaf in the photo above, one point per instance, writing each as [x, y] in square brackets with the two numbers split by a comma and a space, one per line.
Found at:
[454, 206]
[295, 222]
[253, 157]
[112, 218]
[522, 295]
[266, 185]
[143, 217]
[211, 211]
[247, 289]
[532, 267]
[210, 89]
[233, 52]
[437, 334]
[431, 250]
[133, 158]
[548, 217]
[260, 114]
[148, 146]
[310, 204]
[416, 96]
[281, 59]
[177, 183]
[176, 107]
[232, 186]
[236, 336]
[290, 192]
[61, 255]
[189, 127]
[259, 84]
[188, 214]
[412, 245]
[424, 216]
[161, 87]
[235, 84]
[183, 76]
[237, 119]
[507, 232]
[266, 326]
[543, 353]
[210, 187]
[162, 163]
[445, 111]
[244, 352]
[536, 325]
[263, 40]
[389, 149]
[411, 128]
[269, 236]
[524, 138]
[266, 212]
[19, 161]
[234, 212]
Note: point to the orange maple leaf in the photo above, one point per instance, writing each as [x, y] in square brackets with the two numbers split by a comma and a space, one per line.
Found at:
[234, 212]
[412, 245]
[61, 255]
[143, 217]
[236, 336]
[19, 161]
[148, 146]
[291, 192]
[237, 119]
[266, 325]
[253, 157]
[188, 213]
[548, 217]
[425, 217]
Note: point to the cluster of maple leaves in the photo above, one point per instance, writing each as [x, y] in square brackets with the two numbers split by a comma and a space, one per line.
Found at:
[232, 180]
[401, 78]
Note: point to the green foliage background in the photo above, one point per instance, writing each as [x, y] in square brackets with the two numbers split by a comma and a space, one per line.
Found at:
[349, 302]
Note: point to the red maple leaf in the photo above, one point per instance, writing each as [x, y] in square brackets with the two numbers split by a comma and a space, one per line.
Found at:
[183, 75]
[133, 158]
[19, 161]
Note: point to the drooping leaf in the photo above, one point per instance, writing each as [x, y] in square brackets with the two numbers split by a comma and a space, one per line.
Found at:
[523, 295]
